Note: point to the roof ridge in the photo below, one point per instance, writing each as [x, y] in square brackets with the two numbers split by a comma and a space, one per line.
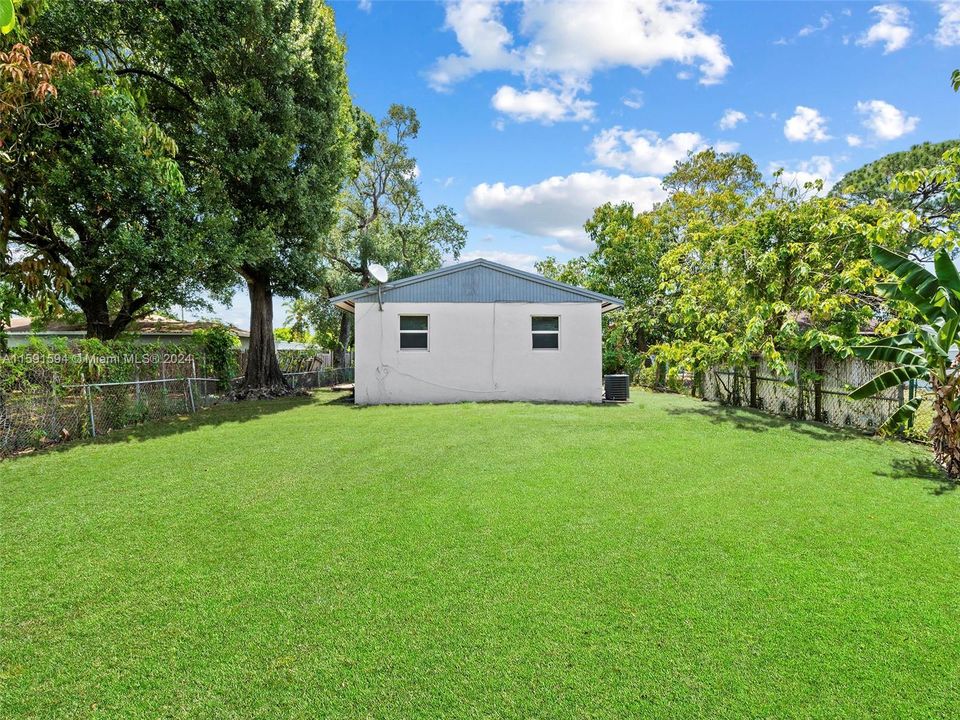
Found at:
[481, 261]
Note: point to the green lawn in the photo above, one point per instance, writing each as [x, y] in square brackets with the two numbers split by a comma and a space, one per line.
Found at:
[306, 558]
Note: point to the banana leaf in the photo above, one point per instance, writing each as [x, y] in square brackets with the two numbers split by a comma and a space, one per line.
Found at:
[903, 413]
[912, 274]
[907, 339]
[888, 379]
[888, 353]
[946, 271]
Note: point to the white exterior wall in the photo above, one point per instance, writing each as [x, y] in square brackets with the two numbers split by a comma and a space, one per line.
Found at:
[478, 352]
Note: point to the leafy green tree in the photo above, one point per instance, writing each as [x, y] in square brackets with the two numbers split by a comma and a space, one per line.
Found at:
[220, 347]
[925, 195]
[297, 324]
[27, 86]
[928, 351]
[872, 181]
[706, 189]
[790, 280]
[279, 127]
[383, 220]
[254, 93]
[103, 202]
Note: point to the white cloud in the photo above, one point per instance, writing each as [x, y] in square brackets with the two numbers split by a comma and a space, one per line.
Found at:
[545, 106]
[572, 39]
[819, 167]
[948, 30]
[854, 140]
[521, 261]
[643, 151]
[885, 121]
[806, 124]
[484, 39]
[825, 21]
[731, 118]
[365, 5]
[558, 206]
[634, 99]
[892, 28]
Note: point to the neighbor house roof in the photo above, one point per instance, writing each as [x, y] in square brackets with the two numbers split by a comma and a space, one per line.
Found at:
[476, 281]
[149, 325]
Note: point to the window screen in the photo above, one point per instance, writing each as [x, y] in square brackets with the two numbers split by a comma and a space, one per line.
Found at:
[546, 332]
[414, 332]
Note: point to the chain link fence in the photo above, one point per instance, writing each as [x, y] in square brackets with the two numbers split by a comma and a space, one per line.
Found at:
[60, 413]
[820, 394]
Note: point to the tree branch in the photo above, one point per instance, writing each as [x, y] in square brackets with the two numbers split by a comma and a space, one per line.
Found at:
[161, 79]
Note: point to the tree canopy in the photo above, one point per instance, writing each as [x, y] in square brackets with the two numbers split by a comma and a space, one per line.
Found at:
[382, 220]
[254, 97]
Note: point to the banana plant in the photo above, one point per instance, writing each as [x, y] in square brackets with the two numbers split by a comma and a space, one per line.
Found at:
[926, 353]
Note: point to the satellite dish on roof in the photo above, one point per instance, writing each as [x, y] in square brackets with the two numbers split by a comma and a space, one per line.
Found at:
[379, 272]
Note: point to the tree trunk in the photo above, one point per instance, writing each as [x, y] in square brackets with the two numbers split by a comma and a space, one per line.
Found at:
[263, 375]
[343, 339]
[97, 315]
[96, 312]
[945, 430]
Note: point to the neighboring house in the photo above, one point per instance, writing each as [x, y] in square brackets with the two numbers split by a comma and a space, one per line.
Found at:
[151, 329]
[477, 331]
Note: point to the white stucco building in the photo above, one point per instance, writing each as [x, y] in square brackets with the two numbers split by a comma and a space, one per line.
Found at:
[477, 331]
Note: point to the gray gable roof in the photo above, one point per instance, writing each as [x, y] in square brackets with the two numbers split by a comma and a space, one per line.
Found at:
[476, 281]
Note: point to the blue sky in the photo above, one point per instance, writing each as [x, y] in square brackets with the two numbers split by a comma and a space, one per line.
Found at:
[532, 113]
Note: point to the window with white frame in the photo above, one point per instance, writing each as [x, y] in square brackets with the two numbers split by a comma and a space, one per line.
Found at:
[414, 332]
[546, 332]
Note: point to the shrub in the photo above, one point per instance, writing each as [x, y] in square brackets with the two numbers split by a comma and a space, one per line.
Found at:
[219, 346]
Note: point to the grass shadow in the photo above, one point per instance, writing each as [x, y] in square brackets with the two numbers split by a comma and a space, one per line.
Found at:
[221, 414]
[758, 421]
[920, 469]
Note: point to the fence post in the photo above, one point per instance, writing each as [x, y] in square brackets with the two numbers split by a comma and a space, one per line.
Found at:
[193, 405]
[753, 386]
[798, 384]
[819, 368]
[93, 422]
[912, 393]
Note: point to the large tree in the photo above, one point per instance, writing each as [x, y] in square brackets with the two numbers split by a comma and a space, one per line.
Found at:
[103, 203]
[885, 181]
[383, 220]
[788, 280]
[706, 189]
[281, 133]
[254, 93]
